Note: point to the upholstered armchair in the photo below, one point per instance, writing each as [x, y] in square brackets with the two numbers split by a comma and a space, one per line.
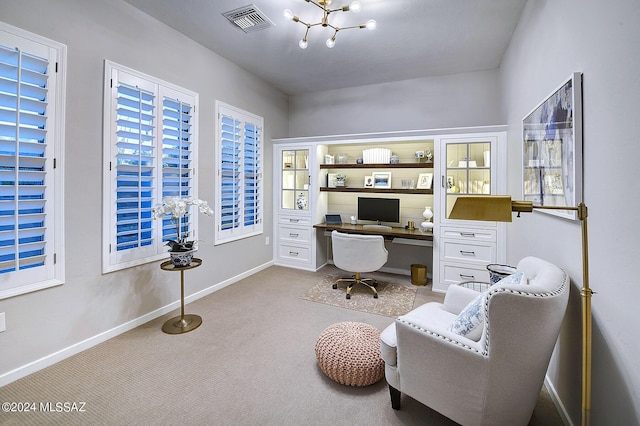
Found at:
[493, 374]
[358, 254]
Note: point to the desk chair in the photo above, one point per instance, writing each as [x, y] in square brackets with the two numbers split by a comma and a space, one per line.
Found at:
[358, 253]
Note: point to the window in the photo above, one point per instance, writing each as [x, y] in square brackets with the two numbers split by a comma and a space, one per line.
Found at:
[150, 147]
[31, 147]
[239, 168]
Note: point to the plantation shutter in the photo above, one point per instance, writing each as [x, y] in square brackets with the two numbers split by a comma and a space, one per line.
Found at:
[230, 182]
[25, 165]
[176, 160]
[134, 167]
[239, 192]
[252, 175]
[151, 147]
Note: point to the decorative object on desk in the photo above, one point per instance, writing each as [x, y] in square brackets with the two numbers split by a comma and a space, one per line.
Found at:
[180, 249]
[425, 180]
[341, 179]
[395, 298]
[329, 159]
[381, 179]
[354, 221]
[427, 225]
[499, 208]
[301, 201]
[552, 149]
[368, 181]
[394, 159]
[411, 225]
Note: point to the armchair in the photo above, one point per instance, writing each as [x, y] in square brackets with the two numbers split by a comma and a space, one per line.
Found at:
[495, 380]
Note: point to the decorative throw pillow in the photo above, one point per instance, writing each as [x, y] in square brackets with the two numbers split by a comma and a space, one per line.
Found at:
[517, 278]
[470, 320]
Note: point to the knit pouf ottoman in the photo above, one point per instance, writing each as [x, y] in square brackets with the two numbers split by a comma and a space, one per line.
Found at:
[349, 353]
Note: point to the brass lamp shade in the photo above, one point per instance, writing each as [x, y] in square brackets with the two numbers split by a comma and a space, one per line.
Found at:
[495, 208]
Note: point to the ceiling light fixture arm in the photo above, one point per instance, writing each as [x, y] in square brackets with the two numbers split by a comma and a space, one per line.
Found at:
[354, 6]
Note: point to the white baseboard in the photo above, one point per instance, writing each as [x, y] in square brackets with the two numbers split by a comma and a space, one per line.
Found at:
[566, 420]
[58, 356]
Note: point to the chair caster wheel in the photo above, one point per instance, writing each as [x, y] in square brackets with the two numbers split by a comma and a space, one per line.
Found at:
[334, 286]
[375, 296]
[348, 296]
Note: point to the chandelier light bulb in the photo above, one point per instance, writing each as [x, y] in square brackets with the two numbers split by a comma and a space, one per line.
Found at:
[331, 42]
[288, 14]
[355, 6]
[303, 44]
[371, 24]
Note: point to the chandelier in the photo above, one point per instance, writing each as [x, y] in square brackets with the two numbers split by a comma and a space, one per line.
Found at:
[324, 5]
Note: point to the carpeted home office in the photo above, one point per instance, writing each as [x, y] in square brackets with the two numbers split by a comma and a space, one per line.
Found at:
[93, 293]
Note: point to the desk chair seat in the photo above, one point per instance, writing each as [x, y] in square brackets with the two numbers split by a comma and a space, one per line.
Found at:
[357, 254]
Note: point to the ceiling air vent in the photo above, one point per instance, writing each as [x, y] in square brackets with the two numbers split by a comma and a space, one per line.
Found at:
[249, 18]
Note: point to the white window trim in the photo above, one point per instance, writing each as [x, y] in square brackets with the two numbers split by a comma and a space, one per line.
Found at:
[163, 88]
[221, 236]
[55, 231]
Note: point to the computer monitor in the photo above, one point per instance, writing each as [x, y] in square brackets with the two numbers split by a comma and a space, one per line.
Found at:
[379, 209]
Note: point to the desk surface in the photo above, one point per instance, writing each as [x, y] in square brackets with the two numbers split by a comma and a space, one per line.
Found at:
[414, 234]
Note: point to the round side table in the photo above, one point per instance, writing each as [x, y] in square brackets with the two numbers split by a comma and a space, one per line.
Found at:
[183, 323]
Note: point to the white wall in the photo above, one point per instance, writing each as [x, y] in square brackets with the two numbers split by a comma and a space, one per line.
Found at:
[89, 303]
[460, 100]
[600, 39]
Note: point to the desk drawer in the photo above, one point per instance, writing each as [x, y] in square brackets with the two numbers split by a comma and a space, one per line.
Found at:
[293, 234]
[291, 252]
[453, 274]
[458, 251]
[294, 220]
[468, 234]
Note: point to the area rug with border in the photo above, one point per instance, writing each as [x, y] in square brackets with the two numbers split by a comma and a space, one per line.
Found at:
[393, 299]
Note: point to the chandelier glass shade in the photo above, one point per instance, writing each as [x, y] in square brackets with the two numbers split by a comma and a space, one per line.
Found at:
[354, 7]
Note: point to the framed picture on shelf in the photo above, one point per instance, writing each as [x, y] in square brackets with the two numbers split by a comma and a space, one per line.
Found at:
[329, 159]
[368, 181]
[552, 149]
[425, 180]
[381, 179]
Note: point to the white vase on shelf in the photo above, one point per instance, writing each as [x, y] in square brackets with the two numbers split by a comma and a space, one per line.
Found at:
[427, 225]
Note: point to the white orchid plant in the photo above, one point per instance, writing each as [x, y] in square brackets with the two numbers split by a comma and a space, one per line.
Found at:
[178, 207]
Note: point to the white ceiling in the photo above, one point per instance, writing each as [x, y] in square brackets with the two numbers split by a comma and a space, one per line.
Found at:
[414, 38]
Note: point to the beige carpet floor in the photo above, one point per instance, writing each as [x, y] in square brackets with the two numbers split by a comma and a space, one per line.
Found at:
[251, 362]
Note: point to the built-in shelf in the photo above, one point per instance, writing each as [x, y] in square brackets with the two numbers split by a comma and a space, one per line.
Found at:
[379, 166]
[378, 190]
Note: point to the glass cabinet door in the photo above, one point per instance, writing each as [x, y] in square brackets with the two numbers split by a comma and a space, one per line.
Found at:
[467, 170]
[295, 179]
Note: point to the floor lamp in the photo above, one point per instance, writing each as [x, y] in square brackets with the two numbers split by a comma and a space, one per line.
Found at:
[499, 208]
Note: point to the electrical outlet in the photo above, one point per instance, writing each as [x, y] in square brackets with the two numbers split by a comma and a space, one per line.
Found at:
[266, 241]
[3, 324]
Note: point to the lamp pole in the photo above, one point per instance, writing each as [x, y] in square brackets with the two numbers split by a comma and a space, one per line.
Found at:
[585, 294]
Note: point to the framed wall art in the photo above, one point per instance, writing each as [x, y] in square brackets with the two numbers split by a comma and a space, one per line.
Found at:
[552, 149]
